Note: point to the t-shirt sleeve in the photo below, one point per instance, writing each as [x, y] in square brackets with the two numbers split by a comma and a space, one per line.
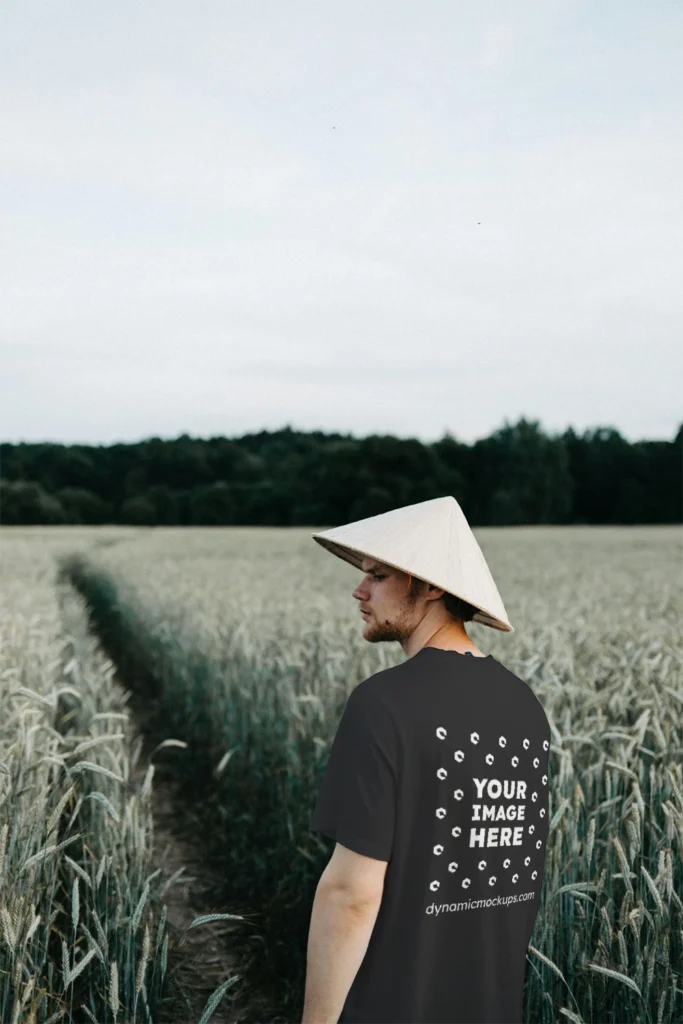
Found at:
[356, 802]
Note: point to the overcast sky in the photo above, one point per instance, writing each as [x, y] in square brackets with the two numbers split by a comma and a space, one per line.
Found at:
[377, 216]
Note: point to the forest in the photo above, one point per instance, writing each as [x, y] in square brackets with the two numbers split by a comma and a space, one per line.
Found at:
[519, 475]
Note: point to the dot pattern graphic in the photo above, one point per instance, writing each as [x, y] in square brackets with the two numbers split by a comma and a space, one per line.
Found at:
[500, 800]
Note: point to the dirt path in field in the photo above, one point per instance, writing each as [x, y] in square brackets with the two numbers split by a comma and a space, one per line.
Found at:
[203, 958]
[200, 959]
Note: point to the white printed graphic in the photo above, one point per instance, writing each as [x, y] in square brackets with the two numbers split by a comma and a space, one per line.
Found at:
[499, 813]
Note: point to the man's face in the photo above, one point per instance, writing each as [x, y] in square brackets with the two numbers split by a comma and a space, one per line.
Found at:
[384, 593]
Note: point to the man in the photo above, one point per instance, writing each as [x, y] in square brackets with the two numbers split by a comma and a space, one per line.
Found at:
[435, 793]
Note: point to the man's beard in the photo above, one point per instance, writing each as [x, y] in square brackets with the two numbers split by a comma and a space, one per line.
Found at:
[398, 629]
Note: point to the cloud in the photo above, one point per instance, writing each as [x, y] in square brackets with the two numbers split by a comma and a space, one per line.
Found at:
[494, 217]
[497, 45]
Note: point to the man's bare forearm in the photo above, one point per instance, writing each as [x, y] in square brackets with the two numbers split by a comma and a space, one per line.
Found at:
[338, 938]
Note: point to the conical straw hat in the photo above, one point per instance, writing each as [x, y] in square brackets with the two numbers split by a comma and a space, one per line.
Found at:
[432, 540]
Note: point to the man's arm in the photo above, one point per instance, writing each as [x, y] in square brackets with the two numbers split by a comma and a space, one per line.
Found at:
[338, 938]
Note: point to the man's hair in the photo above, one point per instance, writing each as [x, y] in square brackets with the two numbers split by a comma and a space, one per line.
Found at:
[455, 606]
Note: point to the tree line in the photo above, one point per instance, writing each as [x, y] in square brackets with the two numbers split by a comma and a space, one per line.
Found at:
[518, 475]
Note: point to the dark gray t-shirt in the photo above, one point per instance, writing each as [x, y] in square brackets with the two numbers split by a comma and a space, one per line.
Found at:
[440, 766]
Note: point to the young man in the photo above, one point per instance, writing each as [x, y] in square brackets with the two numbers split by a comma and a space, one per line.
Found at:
[435, 793]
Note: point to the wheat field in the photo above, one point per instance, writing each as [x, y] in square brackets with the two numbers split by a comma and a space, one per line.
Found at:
[82, 919]
[244, 644]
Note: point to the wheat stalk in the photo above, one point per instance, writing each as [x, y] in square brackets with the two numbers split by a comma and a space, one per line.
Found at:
[114, 987]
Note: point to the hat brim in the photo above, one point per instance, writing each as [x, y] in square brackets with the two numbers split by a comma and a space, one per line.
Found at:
[354, 556]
